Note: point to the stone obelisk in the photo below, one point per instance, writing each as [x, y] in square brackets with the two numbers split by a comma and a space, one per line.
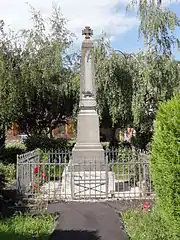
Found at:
[87, 152]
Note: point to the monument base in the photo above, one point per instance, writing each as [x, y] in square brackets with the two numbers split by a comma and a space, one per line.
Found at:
[88, 157]
[88, 153]
[87, 185]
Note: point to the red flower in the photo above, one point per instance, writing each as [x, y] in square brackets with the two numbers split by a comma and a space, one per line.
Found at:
[146, 206]
[43, 176]
[36, 169]
[35, 186]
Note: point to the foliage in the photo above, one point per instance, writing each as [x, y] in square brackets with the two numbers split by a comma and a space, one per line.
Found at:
[27, 227]
[157, 25]
[114, 85]
[47, 169]
[131, 87]
[142, 139]
[7, 174]
[131, 165]
[105, 145]
[46, 143]
[2, 180]
[155, 79]
[16, 144]
[37, 81]
[165, 161]
[9, 153]
[7, 76]
[147, 225]
[55, 172]
[123, 167]
[40, 177]
[48, 78]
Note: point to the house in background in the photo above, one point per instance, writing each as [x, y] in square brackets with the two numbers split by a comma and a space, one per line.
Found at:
[61, 131]
[68, 131]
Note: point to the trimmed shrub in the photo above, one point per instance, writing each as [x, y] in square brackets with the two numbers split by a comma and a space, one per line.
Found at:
[45, 143]
[165, 162]
[10, 152]
[7, 174]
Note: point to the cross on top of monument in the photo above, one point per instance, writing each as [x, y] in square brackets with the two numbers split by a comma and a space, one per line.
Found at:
[87, 32]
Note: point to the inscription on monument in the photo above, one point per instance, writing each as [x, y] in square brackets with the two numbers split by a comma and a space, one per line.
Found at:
[88, 72]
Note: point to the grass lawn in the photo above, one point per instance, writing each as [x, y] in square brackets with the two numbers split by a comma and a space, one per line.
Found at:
[146, 226]
[26, 227]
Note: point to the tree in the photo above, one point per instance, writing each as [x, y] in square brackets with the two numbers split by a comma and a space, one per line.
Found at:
[42, 83]
[114, 85]
[155, 80]
[7, 79]
[157, 25]
[39, 81]
[160, 75]
[131, 87]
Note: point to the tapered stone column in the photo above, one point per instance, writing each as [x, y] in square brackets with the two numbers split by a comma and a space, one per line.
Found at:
[88, 149]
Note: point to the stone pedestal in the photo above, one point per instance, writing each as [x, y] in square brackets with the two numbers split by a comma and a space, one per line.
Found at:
[88, 153]
[86, 185]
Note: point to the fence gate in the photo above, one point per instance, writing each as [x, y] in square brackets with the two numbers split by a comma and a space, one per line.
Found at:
[91, 184]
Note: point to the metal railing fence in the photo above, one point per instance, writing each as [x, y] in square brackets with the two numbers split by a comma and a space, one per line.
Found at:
[124, 174]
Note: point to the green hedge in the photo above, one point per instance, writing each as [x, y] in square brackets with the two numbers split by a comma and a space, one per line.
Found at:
[165, 162]
[7, 174]
[45, 143]
[8, 154]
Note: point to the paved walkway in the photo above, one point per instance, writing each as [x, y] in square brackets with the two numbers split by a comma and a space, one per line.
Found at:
[87, 221]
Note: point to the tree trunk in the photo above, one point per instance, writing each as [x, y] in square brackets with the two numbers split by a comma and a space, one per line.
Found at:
[113, 139]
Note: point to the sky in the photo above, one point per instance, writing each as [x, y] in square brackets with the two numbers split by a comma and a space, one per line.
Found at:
[107, 16]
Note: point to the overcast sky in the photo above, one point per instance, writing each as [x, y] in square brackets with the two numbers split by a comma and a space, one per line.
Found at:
[102, 15]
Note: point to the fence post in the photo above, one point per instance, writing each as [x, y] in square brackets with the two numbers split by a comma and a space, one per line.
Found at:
[107, 177]
[72, 180]
[17, 174]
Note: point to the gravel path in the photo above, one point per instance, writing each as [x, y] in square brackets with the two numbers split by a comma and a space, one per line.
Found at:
[87, 221]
